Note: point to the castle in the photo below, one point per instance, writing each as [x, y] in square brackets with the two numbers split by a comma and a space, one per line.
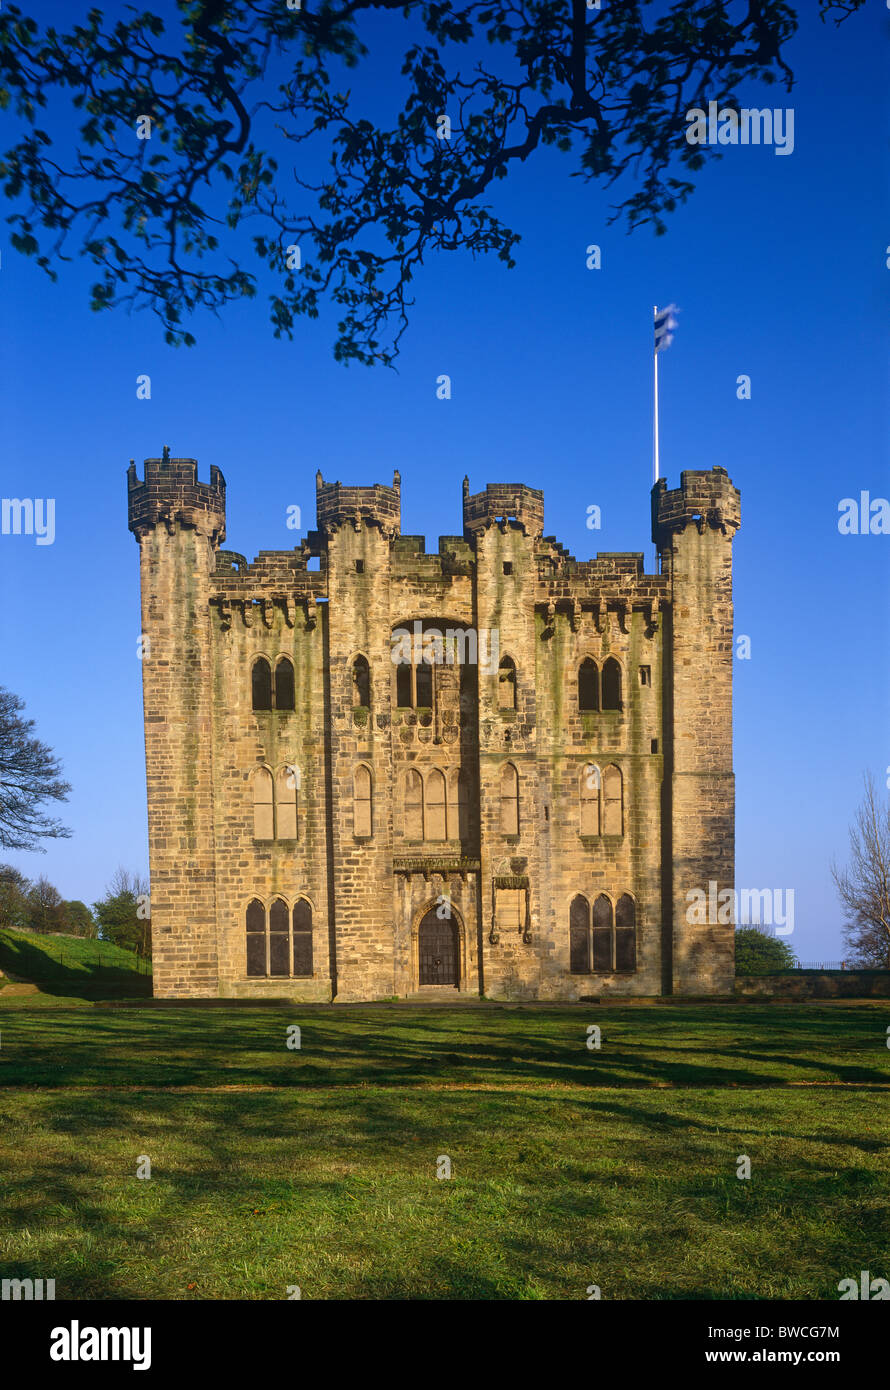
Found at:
[376, 772]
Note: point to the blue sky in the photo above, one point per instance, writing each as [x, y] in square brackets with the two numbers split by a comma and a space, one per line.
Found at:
[779, 267]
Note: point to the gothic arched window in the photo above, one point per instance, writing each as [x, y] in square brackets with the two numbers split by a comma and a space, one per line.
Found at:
[361, 683]
[256, 938]
[279, 945]
[602, 933]
[284, 684]
[362, 819]
[263, 810]
[434, 805]
[579, 936]
[261, 684]
[588, 685]
[286, 804]
[613, 802]
[625, 933]
[458, 804]
[611, 684]
[302, 921]
[413, 804]
[589, 823]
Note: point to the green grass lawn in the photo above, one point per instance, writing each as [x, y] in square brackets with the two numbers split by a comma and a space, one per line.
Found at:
[69, 968]
[272, 1168]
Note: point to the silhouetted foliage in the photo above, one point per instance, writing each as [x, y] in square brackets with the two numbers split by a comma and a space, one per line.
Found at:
[233, 88]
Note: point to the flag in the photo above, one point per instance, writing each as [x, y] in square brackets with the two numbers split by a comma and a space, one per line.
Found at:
[665, 323]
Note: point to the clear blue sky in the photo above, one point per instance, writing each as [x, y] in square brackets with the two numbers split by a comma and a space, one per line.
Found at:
[779, 266]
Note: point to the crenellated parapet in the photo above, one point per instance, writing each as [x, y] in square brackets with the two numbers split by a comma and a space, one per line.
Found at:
[338, 505]
[170, 495]
[502, 504]
[703, 499]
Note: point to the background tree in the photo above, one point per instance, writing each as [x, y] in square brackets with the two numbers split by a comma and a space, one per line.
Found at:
[44, 907]
[29, 776]
[864, 885]
[121, 916]
[757, 953]
[77, 919]
[226, 89]
[14, 888]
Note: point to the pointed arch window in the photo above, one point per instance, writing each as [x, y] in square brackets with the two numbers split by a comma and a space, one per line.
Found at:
[284, 684]
[423, 685]
[413, 804]
[404, 697]
[588, 685]
[507, 683]
[302, 925]
[591, 793]
[613, 802]
[286, 804]
[579, 936]
[361, 683]
[458, 804]
[263, 808]
[611, 684]
[256, 938]
[602, 933]
[625, 933]
[362, 818]
[434, 811]
[509, 800]
[279, 943]
[261, 684]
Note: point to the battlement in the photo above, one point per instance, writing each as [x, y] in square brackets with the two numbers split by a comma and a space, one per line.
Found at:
[503, 502]
[705, 498]
[377, 505]
[170, 492]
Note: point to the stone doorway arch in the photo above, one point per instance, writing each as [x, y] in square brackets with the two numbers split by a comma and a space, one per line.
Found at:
[438, 949]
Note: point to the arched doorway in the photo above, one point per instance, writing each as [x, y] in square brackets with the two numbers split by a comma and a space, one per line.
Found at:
[438, 950]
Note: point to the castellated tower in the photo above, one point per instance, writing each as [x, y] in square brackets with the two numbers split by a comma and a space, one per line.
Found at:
[179, 524]
[491, 768]
[693, 527]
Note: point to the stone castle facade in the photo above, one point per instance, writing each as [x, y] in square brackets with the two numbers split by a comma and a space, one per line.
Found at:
[376, 772]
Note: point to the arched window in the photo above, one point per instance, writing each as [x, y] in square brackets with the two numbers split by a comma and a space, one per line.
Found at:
[458, 804]
[284, 684]
[263, 814]
[602, 933]
[403, 685]
[413, 804]
[611, 684]
[261, 684]
[361, 683]
[579, 936]
[588, 685]
[509, 800]
[286, 804]
[302, 937]
[625, 933]
[434, 816]
[279, 946]
[507, 683]
[613, 802]
[256, 938]
[590, 799]
[423, 684]
[361, 802]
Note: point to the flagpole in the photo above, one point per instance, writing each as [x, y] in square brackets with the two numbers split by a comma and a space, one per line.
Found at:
[655, 402]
